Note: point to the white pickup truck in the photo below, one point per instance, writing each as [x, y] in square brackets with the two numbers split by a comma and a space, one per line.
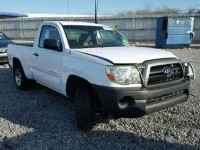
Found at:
[97, 67]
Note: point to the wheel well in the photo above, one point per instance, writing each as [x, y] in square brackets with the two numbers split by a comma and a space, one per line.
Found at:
[73, 81]
[16, 62]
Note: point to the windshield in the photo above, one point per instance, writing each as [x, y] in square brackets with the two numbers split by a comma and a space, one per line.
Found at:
[3, 37]
[92, 36]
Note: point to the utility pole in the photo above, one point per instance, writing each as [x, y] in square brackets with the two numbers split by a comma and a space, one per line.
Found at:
[96, 8]
[68, 9]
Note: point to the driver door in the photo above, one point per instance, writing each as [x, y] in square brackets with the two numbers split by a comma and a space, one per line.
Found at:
[48, 61]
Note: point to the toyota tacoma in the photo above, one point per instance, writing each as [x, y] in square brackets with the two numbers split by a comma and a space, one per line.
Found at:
[101, 71]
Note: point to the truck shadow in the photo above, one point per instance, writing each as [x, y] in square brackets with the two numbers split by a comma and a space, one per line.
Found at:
[93, 140]
[42, 119]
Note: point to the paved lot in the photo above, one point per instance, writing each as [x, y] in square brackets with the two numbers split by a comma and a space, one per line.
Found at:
[41, 119]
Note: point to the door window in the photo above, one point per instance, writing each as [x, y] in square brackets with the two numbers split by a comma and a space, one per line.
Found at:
[51, 34]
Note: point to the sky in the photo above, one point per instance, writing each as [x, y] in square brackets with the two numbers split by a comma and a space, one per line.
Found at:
[85, 7]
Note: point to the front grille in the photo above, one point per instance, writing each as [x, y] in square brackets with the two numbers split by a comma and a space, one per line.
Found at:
[166, 97]
[165, 73]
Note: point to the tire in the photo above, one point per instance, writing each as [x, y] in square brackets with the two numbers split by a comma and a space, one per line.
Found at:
[21, 81]
[84, 114]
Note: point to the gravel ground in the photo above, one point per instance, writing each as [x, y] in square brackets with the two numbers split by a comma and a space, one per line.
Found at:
[41, 119]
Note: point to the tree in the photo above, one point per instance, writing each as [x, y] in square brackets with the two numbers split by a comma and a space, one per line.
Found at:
[164, 10]
[191, 11]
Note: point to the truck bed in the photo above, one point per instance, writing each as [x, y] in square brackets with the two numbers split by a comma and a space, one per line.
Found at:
[23, 52]
[24, 43]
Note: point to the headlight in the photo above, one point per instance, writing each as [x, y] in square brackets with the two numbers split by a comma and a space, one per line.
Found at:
[123, 75]
[3, 50]
[189, 70]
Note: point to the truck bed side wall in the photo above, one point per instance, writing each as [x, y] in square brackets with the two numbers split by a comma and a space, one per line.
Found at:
[24, 54]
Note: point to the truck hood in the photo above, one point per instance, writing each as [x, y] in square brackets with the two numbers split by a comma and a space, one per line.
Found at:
[127, 55]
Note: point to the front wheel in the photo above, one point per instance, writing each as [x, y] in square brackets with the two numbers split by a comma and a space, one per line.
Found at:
[84, 114]
[21, 81]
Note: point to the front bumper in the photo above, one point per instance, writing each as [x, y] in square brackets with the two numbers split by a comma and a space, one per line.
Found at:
[3, 58]
[129, 103]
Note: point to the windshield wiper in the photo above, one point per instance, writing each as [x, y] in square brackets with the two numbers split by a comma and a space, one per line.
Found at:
[114, 46]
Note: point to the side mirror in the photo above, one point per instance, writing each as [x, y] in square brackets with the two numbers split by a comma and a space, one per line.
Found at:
[52, 44]
[189, 70]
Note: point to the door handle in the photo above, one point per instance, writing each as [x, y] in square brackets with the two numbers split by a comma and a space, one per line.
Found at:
[36, 54]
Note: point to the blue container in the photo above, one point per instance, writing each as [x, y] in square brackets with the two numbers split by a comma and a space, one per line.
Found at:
[174, 32]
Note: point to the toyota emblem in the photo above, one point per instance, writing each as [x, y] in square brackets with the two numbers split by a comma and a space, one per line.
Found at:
[167, 73]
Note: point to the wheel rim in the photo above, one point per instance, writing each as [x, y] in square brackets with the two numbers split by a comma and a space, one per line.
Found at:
[18, 77]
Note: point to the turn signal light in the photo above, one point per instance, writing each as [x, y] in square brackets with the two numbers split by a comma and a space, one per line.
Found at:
[111, 77]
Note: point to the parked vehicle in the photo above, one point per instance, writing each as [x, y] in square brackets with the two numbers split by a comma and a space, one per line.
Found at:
[4, 41]
[96, 65]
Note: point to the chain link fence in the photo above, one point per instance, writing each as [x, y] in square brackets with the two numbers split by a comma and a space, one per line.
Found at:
[135, 29]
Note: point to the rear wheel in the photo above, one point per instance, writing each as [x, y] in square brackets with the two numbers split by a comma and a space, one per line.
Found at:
[84, 114]
[21, 81]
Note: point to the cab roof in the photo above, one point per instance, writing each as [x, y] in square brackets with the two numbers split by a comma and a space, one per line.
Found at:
[79, 23]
